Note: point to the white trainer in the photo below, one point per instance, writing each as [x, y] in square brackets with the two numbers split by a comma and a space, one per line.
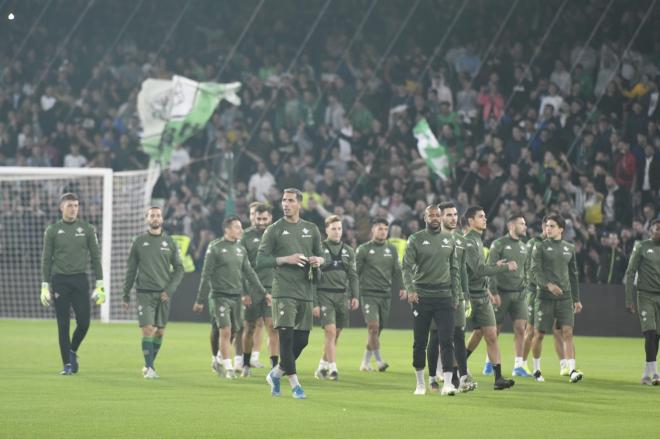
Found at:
[420, 390]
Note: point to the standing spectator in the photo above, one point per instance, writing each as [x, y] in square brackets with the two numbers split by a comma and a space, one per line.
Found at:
[625, 165]
[74, 159]
[649, 176]
[612, 262]
[618, 203]
[260, 183]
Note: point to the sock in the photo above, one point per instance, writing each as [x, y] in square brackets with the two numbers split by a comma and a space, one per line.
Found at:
[518, 361]
[238, 360]
[454, 374]
[537, 364]
[148, 351]
[563, 364]
[497, 369]
[376, 353]
[246, 359]
[213, 358]
[367, 357]
[432, 379]
[447, 376]
[255, 356]
[419, 376]
[333, 367]
[293, 380]
[651, 369]
[274, 359]
[322, 364]
[277, 372]
[438, 368]
[157, 342]
[227, 364]
[219, 357]
[571, 364]
[468, 353]
[487, 359]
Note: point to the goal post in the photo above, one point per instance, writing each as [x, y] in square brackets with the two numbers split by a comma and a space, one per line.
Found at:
[113, 202]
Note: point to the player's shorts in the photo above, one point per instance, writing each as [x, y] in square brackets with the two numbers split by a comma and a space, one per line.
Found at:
[376, 309]
[531, 299]
[292, 313]
[334, 309]
[228, 311]
[648, 306]
[259, 309]
[547, 311]
[513, 304]
[483, 314]
[151, 310]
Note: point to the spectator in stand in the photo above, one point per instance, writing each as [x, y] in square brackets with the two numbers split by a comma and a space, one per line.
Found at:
[612, 262]
[74, 159]
[260, 183]
[618, 204]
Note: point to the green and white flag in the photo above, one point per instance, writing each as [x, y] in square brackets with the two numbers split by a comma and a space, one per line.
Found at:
[433, 153]
[171, 111]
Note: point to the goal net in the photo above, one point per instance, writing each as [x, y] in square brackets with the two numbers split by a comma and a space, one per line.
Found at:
[114, 203]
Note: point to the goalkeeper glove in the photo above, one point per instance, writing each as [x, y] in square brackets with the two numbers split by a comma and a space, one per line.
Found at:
[468, 309]
[45, 294]
[99, 293]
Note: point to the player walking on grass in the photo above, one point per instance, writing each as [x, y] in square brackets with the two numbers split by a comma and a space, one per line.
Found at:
[292, 246]
[483, 315]
[431, 277]
[337, 292]
[645, 263]
[554, 267]
[449, 217]
[239, 337]
[378, 268]
[154, 266]
[68, 245]
[259, 313]
[508, 288]
[529, 328]
[226, 266]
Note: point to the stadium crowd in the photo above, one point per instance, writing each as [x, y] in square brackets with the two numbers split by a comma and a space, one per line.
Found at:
[542, 107]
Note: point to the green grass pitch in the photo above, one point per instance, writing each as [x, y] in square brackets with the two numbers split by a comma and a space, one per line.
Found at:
[109, 397]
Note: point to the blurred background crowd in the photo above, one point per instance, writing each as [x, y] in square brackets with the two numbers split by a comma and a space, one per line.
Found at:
[542, 105]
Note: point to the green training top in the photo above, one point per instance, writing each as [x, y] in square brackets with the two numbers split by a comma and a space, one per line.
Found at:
[645, 262]
[283, 238]
[225, 266]
[529, 279]
[554, 261]
[155, 261]
[250, 240]
[67, 248]
[512, 250]
[377, 266]
[459, 243]
[338, 273]
[430, 265]
[477, 270]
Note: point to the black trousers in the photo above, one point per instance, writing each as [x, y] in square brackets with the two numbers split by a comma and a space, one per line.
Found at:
[441, 311]
[71, 291]
[292, 343]
[460, 354]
